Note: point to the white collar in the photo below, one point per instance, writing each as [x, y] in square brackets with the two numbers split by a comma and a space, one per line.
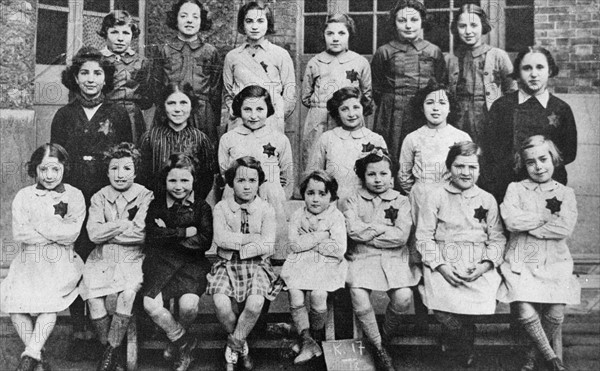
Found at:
[542, 98]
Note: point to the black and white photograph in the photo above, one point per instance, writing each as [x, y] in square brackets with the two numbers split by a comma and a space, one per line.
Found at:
[323, 185]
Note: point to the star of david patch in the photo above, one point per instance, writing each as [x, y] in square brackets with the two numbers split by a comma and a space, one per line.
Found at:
[368, 147]
[61, 209]
[132, 212]
[269, 150]
[480, 214]
[352, 75]
[553, 204]
[391, 213]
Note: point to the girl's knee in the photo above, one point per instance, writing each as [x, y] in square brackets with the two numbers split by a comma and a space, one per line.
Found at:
[296, 298]
[400, 299]
[525, 310]
[152, 305]
[127, 296]
[361, 300]
[318, 299]
[254, 304]
[222, 303]
[188, 304]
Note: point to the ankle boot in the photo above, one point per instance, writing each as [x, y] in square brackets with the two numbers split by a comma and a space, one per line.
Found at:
[185, 346]
[383, 361]
[246, 362]
[310, 349]
[555, 364]
[109, 359]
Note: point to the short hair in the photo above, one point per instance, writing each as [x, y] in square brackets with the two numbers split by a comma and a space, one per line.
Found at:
[179, 87]
[477, 10]
[331, 184]
[123, 150]
[249, 92]
[118, 18]
[377, 154]
[534, 141]
[415, 4]
[88, 54]
[205, 22]
[343, 18]
[179, 160]
[419, 99]
[340, 96]
[552, 66]
[50, 150]
[246, 161]
[260, 5]
[464, 148]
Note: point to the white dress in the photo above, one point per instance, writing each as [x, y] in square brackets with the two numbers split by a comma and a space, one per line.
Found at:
[43, 277]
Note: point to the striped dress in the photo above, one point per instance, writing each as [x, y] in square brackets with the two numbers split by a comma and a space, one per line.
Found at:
[158, 143]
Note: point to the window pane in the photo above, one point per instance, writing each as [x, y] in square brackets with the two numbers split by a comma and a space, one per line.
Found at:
[519, 2]
[315, 6]
[363, 40]
[385, 33]
[437, 4]
[51, 41]
[64, 3]
[438, 32]
[313, 41]
[519, 29]
[360, 5]
[130, 5]
[101, 6]
[385, 5]
[459, 3]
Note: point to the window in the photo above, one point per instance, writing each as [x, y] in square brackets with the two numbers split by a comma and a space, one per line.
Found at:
[512, 22]
[51, 35]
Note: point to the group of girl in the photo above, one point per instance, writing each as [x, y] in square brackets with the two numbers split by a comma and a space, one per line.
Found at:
[357, 228]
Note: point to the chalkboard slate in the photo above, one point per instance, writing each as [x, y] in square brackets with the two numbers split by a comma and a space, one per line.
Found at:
[347, 355]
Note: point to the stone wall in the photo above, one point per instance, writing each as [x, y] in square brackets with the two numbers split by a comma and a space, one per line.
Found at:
[570, 29]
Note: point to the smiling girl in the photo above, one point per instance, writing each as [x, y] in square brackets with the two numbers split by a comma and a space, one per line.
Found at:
[86, 127]
[259, 62]
[532, 110]
[186, 58]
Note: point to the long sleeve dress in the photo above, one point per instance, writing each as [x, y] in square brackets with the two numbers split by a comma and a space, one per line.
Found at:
[268, 66]
[478, 77]
[538, 266]
[337, 151]
[460, 228]
[43, 276]
[316, 264]
[514, 118]
[116, 263]
[132, 86]
[199, 64]
[175, 264]
[325, 74]
[244, 269]
[274, 151]
[379, 261]
[400, 69]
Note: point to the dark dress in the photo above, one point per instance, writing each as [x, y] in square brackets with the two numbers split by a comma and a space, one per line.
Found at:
[510, 123]
[85, 141]
[175, 264]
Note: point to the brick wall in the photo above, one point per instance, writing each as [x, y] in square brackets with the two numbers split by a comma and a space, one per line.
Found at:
[570, 29]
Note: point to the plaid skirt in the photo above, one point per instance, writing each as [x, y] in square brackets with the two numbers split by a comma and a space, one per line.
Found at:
[239, 279]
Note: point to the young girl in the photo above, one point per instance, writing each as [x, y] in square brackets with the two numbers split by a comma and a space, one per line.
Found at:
[337, 150]
[316, 265]
[400, 68]
[176, 134]
[530, 111]
[460, 237]
[179, 231]
[116, 223]
[42, 279]
[327, 72]
[478, 73]
[259, 62]
[132, 72]
[541, 214]
[86, 127]
[244, 233]
[425, 149]
[186, 58]
[378, 223]
[272, 148]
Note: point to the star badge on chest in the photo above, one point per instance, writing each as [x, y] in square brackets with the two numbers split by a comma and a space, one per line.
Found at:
[132, 212]
[368, 147]
[480, 214]
[269, 150]
[352, 75]
[105, 127]
[553, 204]
[61, 209]
[264, 66]
[553, 120]
[391, 213]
